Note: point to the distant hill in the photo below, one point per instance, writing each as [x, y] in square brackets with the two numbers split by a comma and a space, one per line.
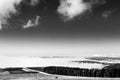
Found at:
[103, 58]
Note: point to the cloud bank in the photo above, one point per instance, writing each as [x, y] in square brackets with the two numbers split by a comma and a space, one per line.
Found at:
[72, 8]
[45, 62]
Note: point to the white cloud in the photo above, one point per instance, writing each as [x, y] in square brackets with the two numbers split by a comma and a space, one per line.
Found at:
[6, 8]
[29, 24]
[32, 23]
[72, 8]
[37, 20]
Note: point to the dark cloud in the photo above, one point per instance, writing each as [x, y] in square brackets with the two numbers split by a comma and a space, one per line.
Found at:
[106, 14]
[95, 2]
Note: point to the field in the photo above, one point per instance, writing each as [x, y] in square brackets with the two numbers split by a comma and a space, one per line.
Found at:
[47, 77]
[65, 68]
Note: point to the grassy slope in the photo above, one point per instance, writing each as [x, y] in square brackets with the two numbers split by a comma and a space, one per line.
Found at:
[47, 77]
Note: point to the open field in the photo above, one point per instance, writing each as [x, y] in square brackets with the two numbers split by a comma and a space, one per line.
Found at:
[47, 77]
[67, 69]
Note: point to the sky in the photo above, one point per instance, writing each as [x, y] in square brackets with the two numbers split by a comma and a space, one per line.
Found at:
[59, 27]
